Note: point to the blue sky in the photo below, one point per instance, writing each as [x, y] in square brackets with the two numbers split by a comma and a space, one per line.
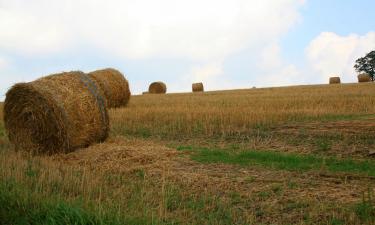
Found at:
[342, 17]
[226, 44]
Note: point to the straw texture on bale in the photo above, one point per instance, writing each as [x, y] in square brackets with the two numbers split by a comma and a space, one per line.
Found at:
[157, 88]
[364, 77]
[56, 114]
[334, 80]
[114, 86]
[198, 87]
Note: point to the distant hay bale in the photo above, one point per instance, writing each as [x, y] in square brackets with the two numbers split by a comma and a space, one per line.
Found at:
[334, 80]
[157, 88]
[114, 86]
[198, 87]
[56, 114]
[364, 77]
[145, 93]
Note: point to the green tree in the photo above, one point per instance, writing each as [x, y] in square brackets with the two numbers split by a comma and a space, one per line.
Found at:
[366, 64]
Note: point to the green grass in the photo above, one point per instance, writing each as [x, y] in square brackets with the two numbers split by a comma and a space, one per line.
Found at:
[365, 210]
[282, 161]
[18, 206]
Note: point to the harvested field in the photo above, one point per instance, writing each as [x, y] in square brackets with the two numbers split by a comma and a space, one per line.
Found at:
[293, 155]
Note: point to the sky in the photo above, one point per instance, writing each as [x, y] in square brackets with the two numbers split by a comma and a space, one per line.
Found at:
[226, 44]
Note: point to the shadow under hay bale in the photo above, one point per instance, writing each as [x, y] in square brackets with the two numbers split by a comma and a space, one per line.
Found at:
[334, 80]
[56, 114]
[364, 77]
[114, 86]
[157, 88]
[197, 87]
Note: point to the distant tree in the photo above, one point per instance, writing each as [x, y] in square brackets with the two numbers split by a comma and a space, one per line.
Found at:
[366, 64]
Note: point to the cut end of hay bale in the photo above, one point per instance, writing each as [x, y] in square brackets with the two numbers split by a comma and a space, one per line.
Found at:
[364, 77]
[114, 86]
[334, 80]
[197, 87]
[55, 114]
[157, 88]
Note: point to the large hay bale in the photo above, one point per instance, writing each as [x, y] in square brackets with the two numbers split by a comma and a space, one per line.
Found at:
[157, 88]
[57, 113]
[334, 80]
[197, 87]
[114, 86]
[364, 77]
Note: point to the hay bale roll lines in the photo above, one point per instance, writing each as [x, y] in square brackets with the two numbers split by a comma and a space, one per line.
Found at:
[56, 114]
[364, 77]
[197, 87]
[157, 88]
[114, 86]
[334, 80]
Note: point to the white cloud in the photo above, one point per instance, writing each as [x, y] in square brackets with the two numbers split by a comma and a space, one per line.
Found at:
[196, 29]
[3, 63]
[331, 54]
[206, 32]
[274, 71]
[270, 57]
[206, 72]
[30, 32]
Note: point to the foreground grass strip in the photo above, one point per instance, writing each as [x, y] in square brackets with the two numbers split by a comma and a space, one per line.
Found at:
[284, 161]
[20, 206]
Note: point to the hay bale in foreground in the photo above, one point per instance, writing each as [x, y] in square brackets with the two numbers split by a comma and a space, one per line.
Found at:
[114, 86]
[55, 114]
[334, 80]
[157, 88]
[364, 77]
[198, 87]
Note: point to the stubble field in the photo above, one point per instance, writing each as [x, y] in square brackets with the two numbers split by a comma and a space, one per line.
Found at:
[291, 155]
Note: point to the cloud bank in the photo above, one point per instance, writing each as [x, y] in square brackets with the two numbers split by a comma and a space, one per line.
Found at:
[331, 54]
[200, 30]
[204, 32]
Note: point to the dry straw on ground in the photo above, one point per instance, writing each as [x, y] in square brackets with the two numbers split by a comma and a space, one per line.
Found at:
[334, 80]
[364, 77]
[114, 86]
[198, 87]
[57, 113]
[157, 88]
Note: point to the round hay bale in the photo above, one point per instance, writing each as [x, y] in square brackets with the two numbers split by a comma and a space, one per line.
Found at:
[198, 87]
[145, 93]
[334, 80]
[114, 86]
[157, 88]
[364, 77]
[56, 114]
